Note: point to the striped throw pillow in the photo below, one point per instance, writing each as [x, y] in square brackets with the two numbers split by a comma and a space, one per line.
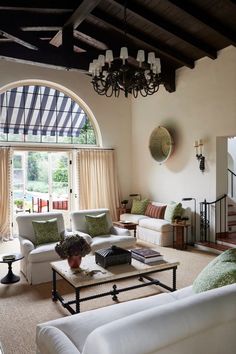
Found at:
[156, 212]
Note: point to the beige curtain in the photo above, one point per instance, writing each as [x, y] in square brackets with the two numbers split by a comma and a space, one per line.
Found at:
[98, 182]
[5, 187]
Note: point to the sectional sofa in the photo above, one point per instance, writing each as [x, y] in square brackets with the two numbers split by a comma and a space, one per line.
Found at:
[152, 229]
[181, 322]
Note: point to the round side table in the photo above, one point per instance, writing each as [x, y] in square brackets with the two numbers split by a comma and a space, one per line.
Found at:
[10, 277]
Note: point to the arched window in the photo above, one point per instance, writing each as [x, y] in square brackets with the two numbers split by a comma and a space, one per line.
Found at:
[41, 114]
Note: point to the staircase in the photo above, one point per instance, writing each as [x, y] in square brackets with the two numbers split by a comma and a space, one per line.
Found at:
[225, 238]
[229, 238]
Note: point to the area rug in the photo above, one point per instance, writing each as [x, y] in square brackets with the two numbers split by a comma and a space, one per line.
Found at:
[23, 306]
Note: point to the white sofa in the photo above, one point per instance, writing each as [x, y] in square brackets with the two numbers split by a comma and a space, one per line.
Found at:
[157, 231]
[117, 236]
[170, 323]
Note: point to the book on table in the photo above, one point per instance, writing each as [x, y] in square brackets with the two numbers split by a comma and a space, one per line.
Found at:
[146, 255]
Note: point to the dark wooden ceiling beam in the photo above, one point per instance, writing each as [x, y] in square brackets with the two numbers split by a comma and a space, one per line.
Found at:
[132, 32]
[158, 21]
[41, 29]
[39, 6]
[76, 18]
[23, 19]
[205, 18]
[53, 58]
[15, 36]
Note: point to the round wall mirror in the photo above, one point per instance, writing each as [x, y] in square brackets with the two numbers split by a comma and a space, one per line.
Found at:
[160, 144]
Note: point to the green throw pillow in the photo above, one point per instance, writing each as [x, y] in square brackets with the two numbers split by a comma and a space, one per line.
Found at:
[219, 272]
[139, 206]
[173, 210]
[97, 225]
[46, 231]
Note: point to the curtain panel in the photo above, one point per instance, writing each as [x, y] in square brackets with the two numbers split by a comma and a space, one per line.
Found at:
[5, 195]
[98, 182]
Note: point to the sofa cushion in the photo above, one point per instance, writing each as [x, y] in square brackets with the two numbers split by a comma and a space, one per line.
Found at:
[139, 206]
[160, 225]
[100, 242]
[97, 225]
[219, 272]
[46, 231]
[154, 211]
[132, 217]
[172, 211]
[44, 253]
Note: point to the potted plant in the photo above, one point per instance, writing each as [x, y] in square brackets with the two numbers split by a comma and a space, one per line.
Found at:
[19, 203]
[73, 248]
[124, 203]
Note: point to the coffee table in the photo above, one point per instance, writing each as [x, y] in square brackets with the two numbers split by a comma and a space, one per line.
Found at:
[10, 277]
[93, 274]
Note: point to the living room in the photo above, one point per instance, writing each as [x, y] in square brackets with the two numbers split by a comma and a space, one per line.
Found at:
[201, 108]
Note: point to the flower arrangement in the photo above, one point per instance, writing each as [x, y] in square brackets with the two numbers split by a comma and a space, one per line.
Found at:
[74, 245]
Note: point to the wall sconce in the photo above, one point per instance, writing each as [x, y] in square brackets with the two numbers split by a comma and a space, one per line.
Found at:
[199, 147]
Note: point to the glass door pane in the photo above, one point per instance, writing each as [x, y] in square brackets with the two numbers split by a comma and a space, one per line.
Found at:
[18, 182]
[59, 181]
[37, 181]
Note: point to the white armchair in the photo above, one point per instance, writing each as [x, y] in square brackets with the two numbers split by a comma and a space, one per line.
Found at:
[117, 236]
[36, 262]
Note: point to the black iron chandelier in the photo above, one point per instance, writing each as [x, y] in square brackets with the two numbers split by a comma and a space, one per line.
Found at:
[110, 76]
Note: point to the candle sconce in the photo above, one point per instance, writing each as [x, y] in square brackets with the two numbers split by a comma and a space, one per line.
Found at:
[199, 154]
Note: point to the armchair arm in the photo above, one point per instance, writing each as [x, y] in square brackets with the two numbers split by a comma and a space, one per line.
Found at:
[115, 230]
[26, 246]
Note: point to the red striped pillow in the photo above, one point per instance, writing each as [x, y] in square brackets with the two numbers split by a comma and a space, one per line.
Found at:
[154, 211]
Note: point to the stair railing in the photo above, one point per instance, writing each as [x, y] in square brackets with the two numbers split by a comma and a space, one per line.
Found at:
[232, 180]
[213, 218]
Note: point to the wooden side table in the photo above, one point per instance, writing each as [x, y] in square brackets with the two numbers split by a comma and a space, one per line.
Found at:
[180, 235]
[122, 210]
[126, 225]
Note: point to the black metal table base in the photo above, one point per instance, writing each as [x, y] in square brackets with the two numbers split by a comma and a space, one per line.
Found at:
[10, 277]
[114, 292]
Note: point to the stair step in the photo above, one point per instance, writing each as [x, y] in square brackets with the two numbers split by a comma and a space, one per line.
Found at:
[232, 213]
[213, 246]
[232, 223]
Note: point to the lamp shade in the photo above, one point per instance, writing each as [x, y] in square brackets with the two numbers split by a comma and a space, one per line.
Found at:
[124, 53]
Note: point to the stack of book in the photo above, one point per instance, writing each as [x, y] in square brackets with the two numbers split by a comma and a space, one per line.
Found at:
[146, 255]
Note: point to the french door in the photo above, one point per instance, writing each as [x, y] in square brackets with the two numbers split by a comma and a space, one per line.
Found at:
[42, 182]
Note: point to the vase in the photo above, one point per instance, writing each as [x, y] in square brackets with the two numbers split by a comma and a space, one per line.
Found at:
[74, 261]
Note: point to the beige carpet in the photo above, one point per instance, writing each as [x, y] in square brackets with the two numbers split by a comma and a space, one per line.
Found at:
[23, 306]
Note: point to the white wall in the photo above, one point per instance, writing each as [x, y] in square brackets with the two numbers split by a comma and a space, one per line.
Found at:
[113, 115]
[203, 107]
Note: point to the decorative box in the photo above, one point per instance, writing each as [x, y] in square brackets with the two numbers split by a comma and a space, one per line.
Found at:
[112, 256]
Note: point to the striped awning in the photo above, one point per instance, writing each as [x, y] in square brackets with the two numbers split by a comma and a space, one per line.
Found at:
[40, 110]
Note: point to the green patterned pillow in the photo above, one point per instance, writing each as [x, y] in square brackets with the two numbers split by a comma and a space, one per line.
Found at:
[219, 272]
[173, 210]
[46, 231]
[97, 225]
[139, 206]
